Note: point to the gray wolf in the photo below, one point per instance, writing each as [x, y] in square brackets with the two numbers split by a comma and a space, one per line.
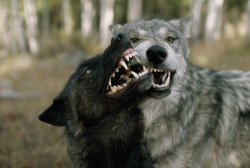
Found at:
[103, 126]
[194, 117]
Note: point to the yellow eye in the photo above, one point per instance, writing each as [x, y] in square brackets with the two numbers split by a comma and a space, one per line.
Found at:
[170, 39]
[134, 40]
[88, 71]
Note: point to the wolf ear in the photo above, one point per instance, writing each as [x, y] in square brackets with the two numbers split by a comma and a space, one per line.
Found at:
[114, 29]
[183, 25]
[55, 114]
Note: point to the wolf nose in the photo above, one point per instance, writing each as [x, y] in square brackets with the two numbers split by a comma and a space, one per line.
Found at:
[156, 54]
[119, 37]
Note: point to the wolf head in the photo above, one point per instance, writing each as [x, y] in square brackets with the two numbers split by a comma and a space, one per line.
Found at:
[162, 48]
[103, 84]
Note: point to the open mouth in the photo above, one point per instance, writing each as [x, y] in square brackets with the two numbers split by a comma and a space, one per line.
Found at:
[162, 79]
[128, 71]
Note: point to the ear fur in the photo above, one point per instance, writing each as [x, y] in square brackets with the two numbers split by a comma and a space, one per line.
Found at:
[55, 114]
[114, 28]
[184, 25]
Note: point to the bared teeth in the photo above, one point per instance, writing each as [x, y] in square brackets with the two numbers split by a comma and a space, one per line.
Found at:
[122, 63]
[125, 76]
[135, 75]
[127, 58]
[136, 59]
[165, 79]
[114, 89]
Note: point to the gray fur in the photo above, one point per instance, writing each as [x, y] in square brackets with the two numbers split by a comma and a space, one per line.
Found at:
[205, 121]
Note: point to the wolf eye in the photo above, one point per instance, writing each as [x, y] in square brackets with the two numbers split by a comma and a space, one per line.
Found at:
[170, 39]
[88, 71]
[134, 40]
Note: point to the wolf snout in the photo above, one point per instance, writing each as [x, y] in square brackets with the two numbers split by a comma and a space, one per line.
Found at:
[120, 37]
[156, 54]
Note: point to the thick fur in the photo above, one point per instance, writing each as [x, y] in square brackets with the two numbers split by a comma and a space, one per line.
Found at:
[102, 131]
[203, 121]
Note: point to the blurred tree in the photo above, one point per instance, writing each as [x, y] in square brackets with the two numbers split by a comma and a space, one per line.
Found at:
[87, 17]
[67, 17]
[4, 27]
[134, 9]
[106, 19]
[52, 19]
[196, 28]
[214, 20]
[17, 25]
[32, 25]
[248, 22]
[45, 20]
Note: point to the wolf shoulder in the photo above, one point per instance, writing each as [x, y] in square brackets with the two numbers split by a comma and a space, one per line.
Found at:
[233, 88]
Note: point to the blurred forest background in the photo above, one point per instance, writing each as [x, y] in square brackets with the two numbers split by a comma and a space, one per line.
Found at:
[42, 42]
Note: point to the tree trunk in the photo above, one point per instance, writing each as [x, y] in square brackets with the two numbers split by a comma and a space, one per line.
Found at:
[196, 26]
[4, 27]
[248, 22]
[45, 21]
[214, 20]
[134, 9]
[32, 25]
[17, 25]
[106, 19]
[67, 18]
[87, 17]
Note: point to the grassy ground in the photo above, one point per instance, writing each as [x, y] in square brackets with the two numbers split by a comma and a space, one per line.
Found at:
[26, 142]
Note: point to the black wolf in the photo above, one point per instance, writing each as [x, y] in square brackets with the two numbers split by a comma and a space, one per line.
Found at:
[103, 126]
[194, 117]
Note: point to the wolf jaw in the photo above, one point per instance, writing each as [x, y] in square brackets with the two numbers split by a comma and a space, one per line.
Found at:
[129, 70]
[163, 79]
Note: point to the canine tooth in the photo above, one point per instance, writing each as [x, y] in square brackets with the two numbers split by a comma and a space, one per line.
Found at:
[119, 87]
[135, 75]
[145, 69]
[136, 59]
[122, 63]
[126, 57]
[117, 69]
[114, 89]
[113, 75]
[110, 82]
[164, 77]
[168, 79]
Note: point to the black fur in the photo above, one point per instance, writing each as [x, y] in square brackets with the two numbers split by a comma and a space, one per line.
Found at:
[102, 131]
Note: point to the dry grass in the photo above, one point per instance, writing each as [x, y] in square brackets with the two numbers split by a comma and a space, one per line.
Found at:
[26, 142]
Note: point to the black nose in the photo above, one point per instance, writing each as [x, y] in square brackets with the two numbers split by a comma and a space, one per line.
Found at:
[156, 54]
[119, 37]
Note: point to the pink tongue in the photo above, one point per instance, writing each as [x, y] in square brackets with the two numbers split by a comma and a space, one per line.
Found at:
[128, 51]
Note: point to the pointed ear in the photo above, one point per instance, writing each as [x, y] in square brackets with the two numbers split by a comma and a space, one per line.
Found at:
[184, 25]
[114, 29]
[55, 114]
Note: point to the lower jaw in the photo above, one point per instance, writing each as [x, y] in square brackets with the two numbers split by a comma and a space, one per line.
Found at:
[158, 93]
